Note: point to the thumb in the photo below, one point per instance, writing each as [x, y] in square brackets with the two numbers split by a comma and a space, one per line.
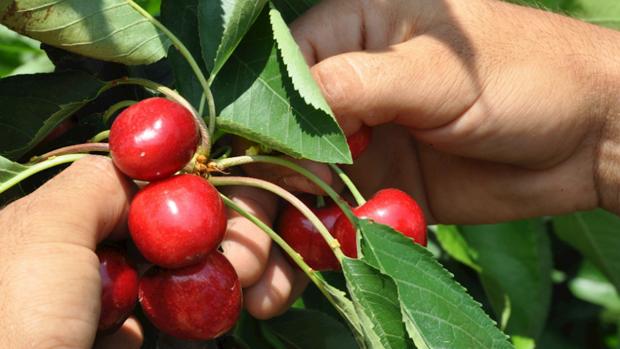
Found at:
[82, 205]
[421, 84]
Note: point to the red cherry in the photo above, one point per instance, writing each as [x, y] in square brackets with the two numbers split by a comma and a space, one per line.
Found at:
[304, 238]
[119, 288]
[177, 221]
[153, 139]
[359, 141]
[391, 207]
[199, 302]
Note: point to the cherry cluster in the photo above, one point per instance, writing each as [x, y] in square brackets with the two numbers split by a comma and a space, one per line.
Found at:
[177, 223]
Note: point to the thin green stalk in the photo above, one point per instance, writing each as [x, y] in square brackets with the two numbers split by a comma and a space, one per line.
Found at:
[101, 136]
[205, 147]
[188, 57]
[296, 257]
[248, 159]
[73, 149]
[359, 199]
[292, 199]
[116, 107]
[38, 167]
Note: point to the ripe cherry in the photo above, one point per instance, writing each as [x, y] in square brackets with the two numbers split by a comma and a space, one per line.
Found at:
[153, 139]
[391, 207]
[119, 288]
[359, 141]
[177, 221]
[304, 238]
[199, 302]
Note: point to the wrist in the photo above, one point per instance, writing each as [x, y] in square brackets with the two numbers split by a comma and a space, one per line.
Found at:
[605, 79]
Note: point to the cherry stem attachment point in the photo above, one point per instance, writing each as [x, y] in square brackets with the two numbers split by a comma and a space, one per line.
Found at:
[292, 199]
[205, 146]
[38, 167]
[73, 149]
[190, 60]
[359, 198]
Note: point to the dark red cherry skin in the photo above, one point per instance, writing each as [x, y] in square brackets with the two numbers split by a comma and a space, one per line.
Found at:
[304, 238]
[153, 139]
[359, 141]
[177, 221]
[199, 302]
[391, 207]
[119, 288]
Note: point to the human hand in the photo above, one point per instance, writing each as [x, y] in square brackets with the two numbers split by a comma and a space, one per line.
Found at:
[507, 106]
[51, 288]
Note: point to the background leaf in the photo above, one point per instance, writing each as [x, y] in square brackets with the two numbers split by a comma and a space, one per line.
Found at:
[515, 262]
[181, 17]
[596, 234]
[438, 311]
[592, 286]
[310, 329]
[109, 30]
[21, 55]
[26, 118]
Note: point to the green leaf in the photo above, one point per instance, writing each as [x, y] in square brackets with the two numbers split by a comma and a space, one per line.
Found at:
[310, 329]
[291, 9]
[602, 12]
[376, 300]
[437, 310]
[181, 17]
[9, 169]
[259, 101]
[223, 24]
[596, 234]
[109, 30]
[523, 342]
[33, 105]
[455, 245]
[515, 262]
[592, 286]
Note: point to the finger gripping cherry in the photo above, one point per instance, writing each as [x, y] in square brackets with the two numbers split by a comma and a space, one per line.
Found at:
[119, 288]
[177, 221]
[304, 238]
[153, 139]
[199, 302]
[359, 141]
[391, 207]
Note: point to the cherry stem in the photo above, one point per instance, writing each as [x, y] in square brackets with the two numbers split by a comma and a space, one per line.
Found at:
[248, 159]
[190, 60]
[359, 198]
[292, 199]
[116, 107]
[38, 167]
[205, 147]
[295, 256]
[73, 149]
[101, 136]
